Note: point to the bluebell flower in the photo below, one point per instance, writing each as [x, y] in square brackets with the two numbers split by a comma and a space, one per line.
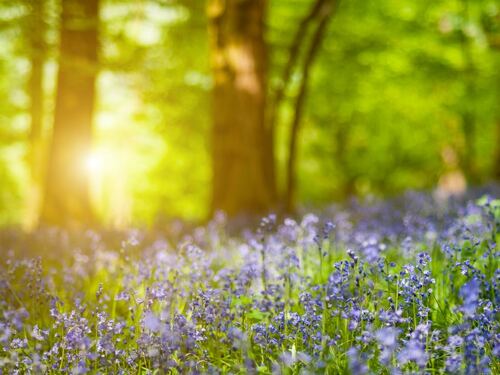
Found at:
[151, 322]
[470, 297]
[356, 364]
[414, 351]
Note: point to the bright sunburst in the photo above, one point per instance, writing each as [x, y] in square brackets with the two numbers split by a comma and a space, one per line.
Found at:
[94, 162]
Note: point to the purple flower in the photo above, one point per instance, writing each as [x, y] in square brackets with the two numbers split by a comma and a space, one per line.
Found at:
[470, 297]
[414, 351]
[387, 337]
[356, 363]
[151, 322]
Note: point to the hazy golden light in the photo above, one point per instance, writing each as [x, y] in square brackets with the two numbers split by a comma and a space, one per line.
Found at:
[94, 163]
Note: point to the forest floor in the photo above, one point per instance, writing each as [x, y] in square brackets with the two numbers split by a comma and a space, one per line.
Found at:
[408, 285]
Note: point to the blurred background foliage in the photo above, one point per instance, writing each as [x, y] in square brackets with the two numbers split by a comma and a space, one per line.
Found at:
[401, 92]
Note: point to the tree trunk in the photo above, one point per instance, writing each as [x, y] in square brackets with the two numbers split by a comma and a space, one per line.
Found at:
[66, 200]
[242, 147]
[37, 56]
[35, 34]
[324, 13]
[468, 113]
[493, 37]
[496, 164]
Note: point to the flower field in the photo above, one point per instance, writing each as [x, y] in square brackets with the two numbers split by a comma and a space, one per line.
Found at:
[403, 286]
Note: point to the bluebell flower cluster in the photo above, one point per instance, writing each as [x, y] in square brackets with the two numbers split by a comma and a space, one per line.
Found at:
[406, 286]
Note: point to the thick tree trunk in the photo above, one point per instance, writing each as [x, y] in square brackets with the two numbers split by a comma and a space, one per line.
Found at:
[242, 147]
[66, 200]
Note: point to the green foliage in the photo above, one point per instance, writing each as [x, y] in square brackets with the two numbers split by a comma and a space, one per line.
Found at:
[393, 85]
[389, 92]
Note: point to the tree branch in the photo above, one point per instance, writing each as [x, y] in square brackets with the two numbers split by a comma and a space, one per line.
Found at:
[294, 53]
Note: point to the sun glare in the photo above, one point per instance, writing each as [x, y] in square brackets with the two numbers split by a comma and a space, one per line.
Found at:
[93, 162]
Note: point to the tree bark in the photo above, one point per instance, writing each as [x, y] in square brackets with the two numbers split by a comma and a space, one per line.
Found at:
[66, 200]
[242, 147]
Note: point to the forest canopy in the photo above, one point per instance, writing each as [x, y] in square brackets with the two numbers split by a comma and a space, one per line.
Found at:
[136, 112]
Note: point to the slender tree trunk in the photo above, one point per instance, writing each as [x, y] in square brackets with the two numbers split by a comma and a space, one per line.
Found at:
[341, 158]
[495, 46]
[496, 156]
[242, 146]
[493, 38]
[35, 34]
[37, 52]
[469, 158]
[66, 200]
[468, 114]
[324, 14]
[496, 165]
